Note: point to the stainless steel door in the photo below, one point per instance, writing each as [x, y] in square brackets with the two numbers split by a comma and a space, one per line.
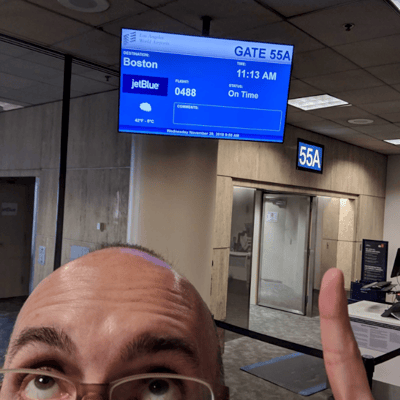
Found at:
[283, 252]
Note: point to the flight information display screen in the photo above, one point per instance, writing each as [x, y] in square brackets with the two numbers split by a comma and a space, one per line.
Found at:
[180, 85]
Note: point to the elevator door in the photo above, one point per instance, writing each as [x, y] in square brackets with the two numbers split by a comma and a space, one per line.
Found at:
[283, 252]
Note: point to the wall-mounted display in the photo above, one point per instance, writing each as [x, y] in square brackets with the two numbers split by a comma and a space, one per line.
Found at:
[192, 86]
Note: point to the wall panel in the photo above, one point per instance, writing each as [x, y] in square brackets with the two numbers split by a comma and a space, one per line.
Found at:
[223, 213]
[219, 283]
[347, 168]
[94, 140]
[370, 218]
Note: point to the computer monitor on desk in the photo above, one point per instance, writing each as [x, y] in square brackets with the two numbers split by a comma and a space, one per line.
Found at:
[396, 265]
[394, 310]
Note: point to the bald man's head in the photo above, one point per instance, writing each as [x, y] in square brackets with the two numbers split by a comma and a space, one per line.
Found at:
[107, 298]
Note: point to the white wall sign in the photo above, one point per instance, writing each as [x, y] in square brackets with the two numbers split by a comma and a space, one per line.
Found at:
[9, 208]
[78, 251]
[272, 217]
[42, 255]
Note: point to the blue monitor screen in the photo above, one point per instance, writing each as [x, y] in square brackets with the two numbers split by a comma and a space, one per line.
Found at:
[192, 86]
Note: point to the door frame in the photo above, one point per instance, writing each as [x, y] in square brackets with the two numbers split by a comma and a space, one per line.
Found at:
[34, 223]
[307, 281]
[34, 233]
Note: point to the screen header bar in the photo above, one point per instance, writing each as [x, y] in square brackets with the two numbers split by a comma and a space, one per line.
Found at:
[142, 41]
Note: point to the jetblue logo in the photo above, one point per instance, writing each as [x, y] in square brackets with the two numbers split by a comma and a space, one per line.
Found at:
[145, 85]
[309, 156]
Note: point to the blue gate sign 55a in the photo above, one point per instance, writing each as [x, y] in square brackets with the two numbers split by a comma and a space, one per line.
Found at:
[309, 156]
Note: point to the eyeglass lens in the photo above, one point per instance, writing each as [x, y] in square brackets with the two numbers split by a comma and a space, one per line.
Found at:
[23, 386]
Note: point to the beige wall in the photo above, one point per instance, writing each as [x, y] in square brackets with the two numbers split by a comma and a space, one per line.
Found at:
[177, 190]
[176, 184]
[98, 175]
[349, 172]
[98, 169]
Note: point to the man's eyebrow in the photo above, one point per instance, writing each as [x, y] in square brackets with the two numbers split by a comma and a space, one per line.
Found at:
[148, 343]
[52, 337]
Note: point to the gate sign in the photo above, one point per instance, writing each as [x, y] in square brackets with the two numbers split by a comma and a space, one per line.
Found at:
[309, 156]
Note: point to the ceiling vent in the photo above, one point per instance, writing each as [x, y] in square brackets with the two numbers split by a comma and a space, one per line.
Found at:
[88, 6]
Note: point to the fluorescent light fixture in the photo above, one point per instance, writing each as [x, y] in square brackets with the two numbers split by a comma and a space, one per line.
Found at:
[314, 102]
[396, 3]
[7, 106]
[393, 141]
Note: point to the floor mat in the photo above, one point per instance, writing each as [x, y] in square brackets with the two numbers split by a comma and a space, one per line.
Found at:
[297, 372]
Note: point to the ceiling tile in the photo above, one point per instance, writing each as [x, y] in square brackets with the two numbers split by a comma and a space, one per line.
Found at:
[299, 88]
[326, 127]
[282, 33]
[301, 116]
[375, 145]
[289, 8]
[392, 117]
[117, 9]
[14, 17]
[344, 121]
[156, 3]
[373, 52]
[153, 21]
[341, 112]
[370, 95]
[344, 81]
[228, 16]
[320, 62]
[375, 130]
[385, 135]
[96, 46]
[371, 19]
[386, 107]
[388, 73]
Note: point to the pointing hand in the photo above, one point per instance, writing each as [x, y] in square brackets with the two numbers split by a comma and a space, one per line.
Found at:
[342, 358]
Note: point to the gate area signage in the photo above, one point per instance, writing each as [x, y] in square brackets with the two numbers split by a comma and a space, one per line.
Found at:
[374, 260]
[309, 156]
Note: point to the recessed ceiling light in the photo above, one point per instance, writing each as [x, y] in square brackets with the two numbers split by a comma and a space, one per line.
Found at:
[394, 141]
[88, 6]
[314, 102]
[7, 106]
[360, 121]
[396, 3]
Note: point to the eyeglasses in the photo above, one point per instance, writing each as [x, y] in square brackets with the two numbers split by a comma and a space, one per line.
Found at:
[33, 384]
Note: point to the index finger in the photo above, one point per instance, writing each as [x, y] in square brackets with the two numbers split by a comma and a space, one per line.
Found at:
[342, 358]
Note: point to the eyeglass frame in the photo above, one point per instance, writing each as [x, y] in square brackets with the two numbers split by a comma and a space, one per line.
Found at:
[94, 388]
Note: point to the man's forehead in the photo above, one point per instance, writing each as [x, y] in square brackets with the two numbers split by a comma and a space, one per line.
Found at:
[130, 261]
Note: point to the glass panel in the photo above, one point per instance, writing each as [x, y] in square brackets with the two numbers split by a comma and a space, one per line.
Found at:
[284, 242]
[237, 312]
[161, 388]
[86, 80]
[29, 78]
